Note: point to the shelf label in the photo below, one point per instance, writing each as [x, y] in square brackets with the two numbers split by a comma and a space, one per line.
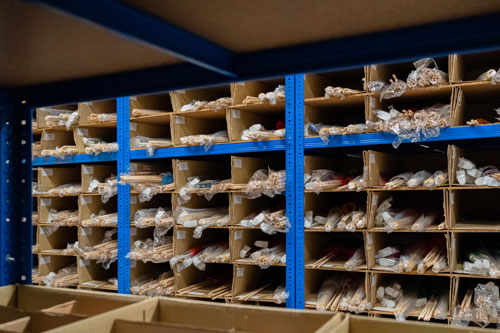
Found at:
[374, 199]
[181, 234]
[133, 167]
[88, 170]
[240, 271]
[47, 172]
[180, 120]
[238, 234]
[236, 113]
[45, 202]
[83, 131]
[49, 136]
[86, 201]
[237, 199]
[45, 260]
[133, 231]
[133, 199]
[83, 262]
[133, 127]
[183, 166]
[372, 158]
[181, 91]
[87, 231]
[133, 263]
[238, 163]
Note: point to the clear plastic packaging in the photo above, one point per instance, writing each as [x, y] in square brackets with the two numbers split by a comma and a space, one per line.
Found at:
[266, 257]
[398, 180]
[418, 178]
[102, 117]
[220, 187]
[108, 189]
[257, 184]
[97, 146]
[387, 257]
[183, 261]
[106, 252]
[150, 144]
[194, 105]
[205, 140]
[159, 250]
[357, 259]
[360, 182]
[376, 86]
[65, 277]
[393, 90]
[67, 189]
[162, 286]
[326, 292]
[491, 75]
[402, 220]
[339, 92]
[102, 219]
[322, 180]
[273, 96]
[60, 152]
[426, 74]
[326, 131]
[276, 183]
[280, 294]
[438, 178]
[424, 221]
[259, 132]
[63, 218]
[72, 120]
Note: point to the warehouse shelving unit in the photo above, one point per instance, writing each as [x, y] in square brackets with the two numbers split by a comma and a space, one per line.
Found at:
[207, 65]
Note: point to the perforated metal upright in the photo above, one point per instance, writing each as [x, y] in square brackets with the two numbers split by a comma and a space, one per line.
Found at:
[15, 193]
[123, 166]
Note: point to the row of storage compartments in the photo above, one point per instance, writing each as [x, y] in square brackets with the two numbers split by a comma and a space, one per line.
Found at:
[232, 112]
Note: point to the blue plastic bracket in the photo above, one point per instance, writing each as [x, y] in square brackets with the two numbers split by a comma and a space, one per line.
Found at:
[290, 188]
[299, 191]
[15, 193]
[123, 166]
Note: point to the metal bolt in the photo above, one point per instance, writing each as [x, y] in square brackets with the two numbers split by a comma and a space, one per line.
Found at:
[8, 258]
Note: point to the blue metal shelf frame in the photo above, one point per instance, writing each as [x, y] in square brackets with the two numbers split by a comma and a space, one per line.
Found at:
[123, 166]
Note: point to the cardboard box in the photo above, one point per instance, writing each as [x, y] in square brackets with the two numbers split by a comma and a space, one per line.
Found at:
[49, 178]
[108, 134]
[314, 278]
[319, 244]
[57, 203]
[243, 167]
[342, 164]
[52, 139]
[158, 102]
[54, 241]
[217, 169]
[197, 123]
[333, 111]
[241, 207]
[99, 107]
[240, 90]
[177, 315]
[468, 67]
[41, 113]
[95, 277]
[180, 98]
[315, 84]
[159, 127]
[408, 283]
[240, 118]
[248, 278]
[96, 171]
[421, 201]
[475, 101]
[160, 200]
[473, 210]
[219, 200]
[463, 243]
[92, 204]
[36, 321]
[246, 236]
[387, 165]
[480, 157]
[54, 263]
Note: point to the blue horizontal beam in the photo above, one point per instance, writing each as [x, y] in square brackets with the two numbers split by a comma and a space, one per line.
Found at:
[143, 27]
[74, 159]
[369, 139]
[479, 33]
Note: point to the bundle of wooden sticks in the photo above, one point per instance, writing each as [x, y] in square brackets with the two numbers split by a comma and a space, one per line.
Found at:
[163, 286]
[107, 250]
[66, 218]
[60, 152]
[105, 220]
[102, 117]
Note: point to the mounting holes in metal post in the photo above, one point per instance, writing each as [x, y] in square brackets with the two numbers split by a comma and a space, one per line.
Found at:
[23, 277]
[7, 162]
[23, 122]
[23, 161]
[7, 123]
[24, 219]
[7, 219]
[7, 142]
[23, 180]
[7, 181]
[23, 142]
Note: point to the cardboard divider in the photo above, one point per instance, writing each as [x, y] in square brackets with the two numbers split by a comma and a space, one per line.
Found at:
[97, 107]
[319, 244]
[51, 139]
[423, 288]
[91, 236]
[108, 134]
[417, 98]
[41, 113]
[219, 168]
[480, 157]
[241, 207]
[56, 241]
[314, 279]
[96, 171]
[321, 204]
[57, 203]
[462, 284]
[197, 123]
[241, 90]
[470, 66]
[315, 84]
[248, 278]
[140, 270]
[183, 97]
[349, 165]
[36, 322]
[241, 118]
[387, 165]
[48, 263]
[421, 201]
[476, 101]
[183, 238]
[474, 210]
[94, 276]
[200, 202]
[463, 244]
[242, 237]
[157, 102]
[243, 167]
[91, 204]
[8, 314]
[51, 177]
[403, 241]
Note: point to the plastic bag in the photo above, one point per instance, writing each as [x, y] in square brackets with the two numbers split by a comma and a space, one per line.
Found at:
[326, 292]
[258, 132]
[339, 92]
[438, 178]
[490, 75]
[356, 260]
[67, 189]
[424, 221]
[393, 90]
[66, 218]
[273, 96]
[101, 220]
[205, 140]
[418, 178]
[398, 180]
[322, 180]
[280, 294]
[183, 261]
[267, 257]
[257, 184]
[194, 105]
[402, 220]
[108, 189]
[426, 74]
[387, 257]
[376, 86]
[276, 183]
[334, 216]
[326, 131]
[220, 187]
[359, 182]
[150, 144]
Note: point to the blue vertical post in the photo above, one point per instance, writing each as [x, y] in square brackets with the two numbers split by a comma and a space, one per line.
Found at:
[15, 193]
[299, 191]
[290, 188]
[123, 166]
